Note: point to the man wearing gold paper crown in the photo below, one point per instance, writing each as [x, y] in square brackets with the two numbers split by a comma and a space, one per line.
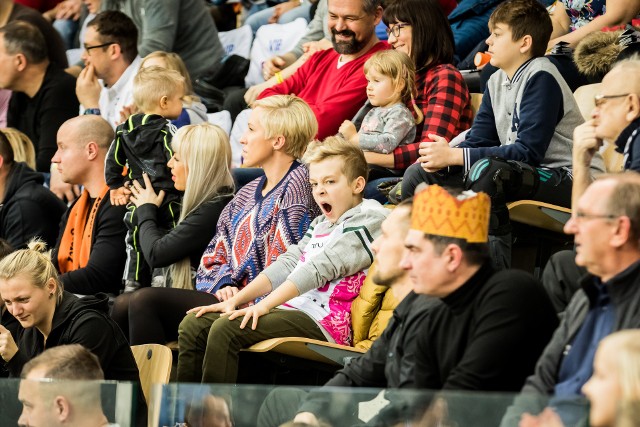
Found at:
[491, 326]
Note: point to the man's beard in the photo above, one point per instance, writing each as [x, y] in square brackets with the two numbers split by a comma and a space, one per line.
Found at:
[389, 280]
[348, 47]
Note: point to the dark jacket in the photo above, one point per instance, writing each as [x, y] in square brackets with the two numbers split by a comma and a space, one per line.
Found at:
[188, 239]
[389, 363]
[40, 117]
[487, 335]
[83, 321]
[143, 143]
[624, 291]
[628, 144]
[28, 209]
[103, 272]
[469, 24]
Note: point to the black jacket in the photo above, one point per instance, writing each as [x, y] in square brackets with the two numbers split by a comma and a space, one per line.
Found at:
[143, 143]
[628, 144]
[103, 272]
[188, 239]
[81, 321]
[40, 117]
[487, 335]
[28, 209]
[389, 363]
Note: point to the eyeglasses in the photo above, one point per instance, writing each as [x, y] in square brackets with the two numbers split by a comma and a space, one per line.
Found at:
[583, 216]
[88, 48]
[599, 100]
[395, 30]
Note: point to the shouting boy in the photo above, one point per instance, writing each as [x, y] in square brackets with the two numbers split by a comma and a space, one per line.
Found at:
[311, 285]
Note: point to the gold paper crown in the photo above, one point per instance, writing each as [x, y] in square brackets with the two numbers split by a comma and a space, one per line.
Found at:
[437, 212]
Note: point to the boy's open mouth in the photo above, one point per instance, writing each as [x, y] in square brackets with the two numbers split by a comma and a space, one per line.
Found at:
[326, 207]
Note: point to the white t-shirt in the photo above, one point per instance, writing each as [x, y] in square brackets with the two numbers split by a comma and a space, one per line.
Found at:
[113, 99]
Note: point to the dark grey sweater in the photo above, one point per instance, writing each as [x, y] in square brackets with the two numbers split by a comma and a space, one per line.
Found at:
[181, 26]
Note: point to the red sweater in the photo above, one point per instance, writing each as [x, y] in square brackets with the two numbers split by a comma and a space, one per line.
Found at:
[40, 5]
[334, 95]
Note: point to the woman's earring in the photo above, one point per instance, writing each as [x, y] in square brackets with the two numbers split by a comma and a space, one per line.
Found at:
[51, 295]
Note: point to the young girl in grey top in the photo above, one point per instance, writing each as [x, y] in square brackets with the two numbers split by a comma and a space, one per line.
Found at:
[391, 77]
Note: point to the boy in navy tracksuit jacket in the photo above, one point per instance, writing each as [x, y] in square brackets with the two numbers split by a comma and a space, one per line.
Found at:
[519, 146]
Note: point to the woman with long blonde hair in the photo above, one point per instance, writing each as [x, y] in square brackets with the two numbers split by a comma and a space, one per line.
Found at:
[200, 167]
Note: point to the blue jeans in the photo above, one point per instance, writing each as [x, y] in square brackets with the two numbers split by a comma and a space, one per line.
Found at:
[68, 30]
[260, 18]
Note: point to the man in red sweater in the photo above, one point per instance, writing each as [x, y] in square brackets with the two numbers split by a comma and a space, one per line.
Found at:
[332, 81]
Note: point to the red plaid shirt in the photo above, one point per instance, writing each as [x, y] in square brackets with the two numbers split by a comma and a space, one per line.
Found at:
[444, 100]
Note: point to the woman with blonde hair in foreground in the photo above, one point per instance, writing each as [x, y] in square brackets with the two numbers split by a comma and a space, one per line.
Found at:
[50, 316]
[613, 389]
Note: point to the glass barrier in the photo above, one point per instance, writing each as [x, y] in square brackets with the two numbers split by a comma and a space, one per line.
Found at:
[30, 402]
[194, 405]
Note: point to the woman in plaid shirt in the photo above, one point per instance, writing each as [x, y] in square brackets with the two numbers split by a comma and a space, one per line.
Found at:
[421, 30]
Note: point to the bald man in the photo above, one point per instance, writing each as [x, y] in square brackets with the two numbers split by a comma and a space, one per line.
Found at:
[614, 119]
[90, 258]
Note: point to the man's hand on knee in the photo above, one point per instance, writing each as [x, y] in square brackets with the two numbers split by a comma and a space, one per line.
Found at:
[307, 418]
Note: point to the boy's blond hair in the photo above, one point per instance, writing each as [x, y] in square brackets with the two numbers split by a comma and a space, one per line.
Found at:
[174, 62]
[291, 117]
[152, 83]
[354, 164]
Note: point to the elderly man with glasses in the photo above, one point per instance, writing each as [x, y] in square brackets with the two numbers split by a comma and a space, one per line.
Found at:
[616, 120]
[606, 226]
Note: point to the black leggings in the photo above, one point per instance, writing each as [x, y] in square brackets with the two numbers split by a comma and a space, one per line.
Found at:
[152, 315]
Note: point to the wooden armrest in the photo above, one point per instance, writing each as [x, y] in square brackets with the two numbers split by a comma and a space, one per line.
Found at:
[539, 214]
[307, 348]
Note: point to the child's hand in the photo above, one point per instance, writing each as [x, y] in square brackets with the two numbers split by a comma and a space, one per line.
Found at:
[253, 312]
[434, 155]
[221, 307]
[120, 196]
[140, 196]
[348, 130]
[127, 110]
[226, 293]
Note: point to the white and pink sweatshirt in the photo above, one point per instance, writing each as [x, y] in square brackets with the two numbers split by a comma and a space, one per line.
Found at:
[329, 265]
